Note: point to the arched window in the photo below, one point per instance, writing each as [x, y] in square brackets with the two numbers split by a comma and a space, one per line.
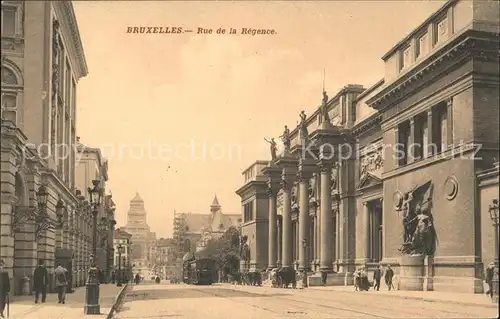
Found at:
[9, 95]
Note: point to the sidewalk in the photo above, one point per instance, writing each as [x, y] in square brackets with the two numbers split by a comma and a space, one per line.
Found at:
[430, 296]
[24, 307]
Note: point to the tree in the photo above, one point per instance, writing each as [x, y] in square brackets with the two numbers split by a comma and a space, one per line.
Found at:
[225, 249]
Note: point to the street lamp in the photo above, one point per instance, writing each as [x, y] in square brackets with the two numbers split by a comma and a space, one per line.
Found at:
[60, 213]
[304, 270]
[42, 219]
[92, 306]
[120, 252]
[493, 210]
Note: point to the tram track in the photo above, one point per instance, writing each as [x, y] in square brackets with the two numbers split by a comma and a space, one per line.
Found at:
[311, 305]
[408, 310]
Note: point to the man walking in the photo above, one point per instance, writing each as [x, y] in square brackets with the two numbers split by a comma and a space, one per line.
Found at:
[376, 278]
[61, 275]
[40, 281]
[489, 278]
[389, 274]
[4, 289]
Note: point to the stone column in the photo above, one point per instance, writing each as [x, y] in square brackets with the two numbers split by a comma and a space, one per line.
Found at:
[326, 218]
[430, 133]
[411, 142]
[304, 175]
[366, 230]
[449, 123]
[273, 174]
[273, 228]
[279, 244]
[287, 236]
[7, 234]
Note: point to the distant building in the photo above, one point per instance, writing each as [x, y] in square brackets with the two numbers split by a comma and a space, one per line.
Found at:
[142, 238]
[121, 237]
[192, 231]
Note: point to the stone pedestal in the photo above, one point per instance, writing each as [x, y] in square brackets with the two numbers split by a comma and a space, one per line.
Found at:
[332, 279]
[412, 273]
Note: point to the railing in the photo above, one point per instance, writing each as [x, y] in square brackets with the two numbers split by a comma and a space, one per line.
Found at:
[119, 299]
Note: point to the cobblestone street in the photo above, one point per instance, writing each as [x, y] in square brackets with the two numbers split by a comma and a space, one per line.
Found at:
[226, 301]
[25, 308]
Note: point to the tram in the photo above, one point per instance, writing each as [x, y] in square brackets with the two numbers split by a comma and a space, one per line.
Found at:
[200, 271]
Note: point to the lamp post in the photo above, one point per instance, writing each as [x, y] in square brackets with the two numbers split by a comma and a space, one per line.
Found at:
[493, 210]
[92, 306]
[120, 251]
[304, 270]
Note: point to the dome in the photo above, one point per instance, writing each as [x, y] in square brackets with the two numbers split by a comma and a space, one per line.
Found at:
[137, 198]
[188, 256]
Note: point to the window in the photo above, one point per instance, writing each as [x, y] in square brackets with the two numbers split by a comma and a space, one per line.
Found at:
[248, 212]
[8, 21]
[405, 57]
[422, 45]
[9, 107]
[403, 144]
[441, 30]
[421, 130]
[375, 229]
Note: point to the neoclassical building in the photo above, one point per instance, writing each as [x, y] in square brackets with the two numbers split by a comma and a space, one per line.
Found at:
[42, 62]
[423, 167]
[91, 166]
[142, 240]
[199, 228]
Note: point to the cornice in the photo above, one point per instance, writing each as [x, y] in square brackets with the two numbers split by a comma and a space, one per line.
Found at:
[366, 124]
[452, 88]
[418, 29]
[248, 187]
[70, 18]
[62, 189]
[468, 45]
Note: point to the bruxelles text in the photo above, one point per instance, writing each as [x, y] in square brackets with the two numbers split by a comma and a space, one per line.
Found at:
[204, 151]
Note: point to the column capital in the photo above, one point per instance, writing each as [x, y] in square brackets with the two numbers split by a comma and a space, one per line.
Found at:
[325, 167]
[449, 102]
[286, 184]
[304, 176]
[272, 190]
[365, 203]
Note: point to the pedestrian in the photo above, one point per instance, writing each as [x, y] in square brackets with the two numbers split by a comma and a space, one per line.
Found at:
[4, 289]
[61, 275]
[113, 277]
[40, 281]
[389, 274]
[324, 276]
[377, 274]
[489, 278]
[137, 278]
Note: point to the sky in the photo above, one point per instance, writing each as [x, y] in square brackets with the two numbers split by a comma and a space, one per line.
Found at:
[180, 116]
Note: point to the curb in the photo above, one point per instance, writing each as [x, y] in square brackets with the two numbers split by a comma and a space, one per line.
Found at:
[472, 304]
[118, 301]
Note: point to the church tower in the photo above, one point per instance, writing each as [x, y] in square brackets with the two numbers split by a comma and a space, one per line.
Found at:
[215, 207]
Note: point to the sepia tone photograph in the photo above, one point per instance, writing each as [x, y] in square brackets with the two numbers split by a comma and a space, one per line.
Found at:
[250, 159]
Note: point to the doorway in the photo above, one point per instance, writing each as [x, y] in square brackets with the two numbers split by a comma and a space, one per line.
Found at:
[376, 230]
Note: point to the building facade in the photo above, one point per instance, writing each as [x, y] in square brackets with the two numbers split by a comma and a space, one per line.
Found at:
[422, 169]
[199, 228]
[142, 238]
[121, 237]
[42, 62]
[91, 166]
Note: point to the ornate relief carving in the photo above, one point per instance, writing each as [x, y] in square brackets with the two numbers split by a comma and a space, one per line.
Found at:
[312, 186]
[294, 195]
[8, 76]
[397, 199]
[370, 163]
[55, 77]
[334, 177]
[451, 187]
